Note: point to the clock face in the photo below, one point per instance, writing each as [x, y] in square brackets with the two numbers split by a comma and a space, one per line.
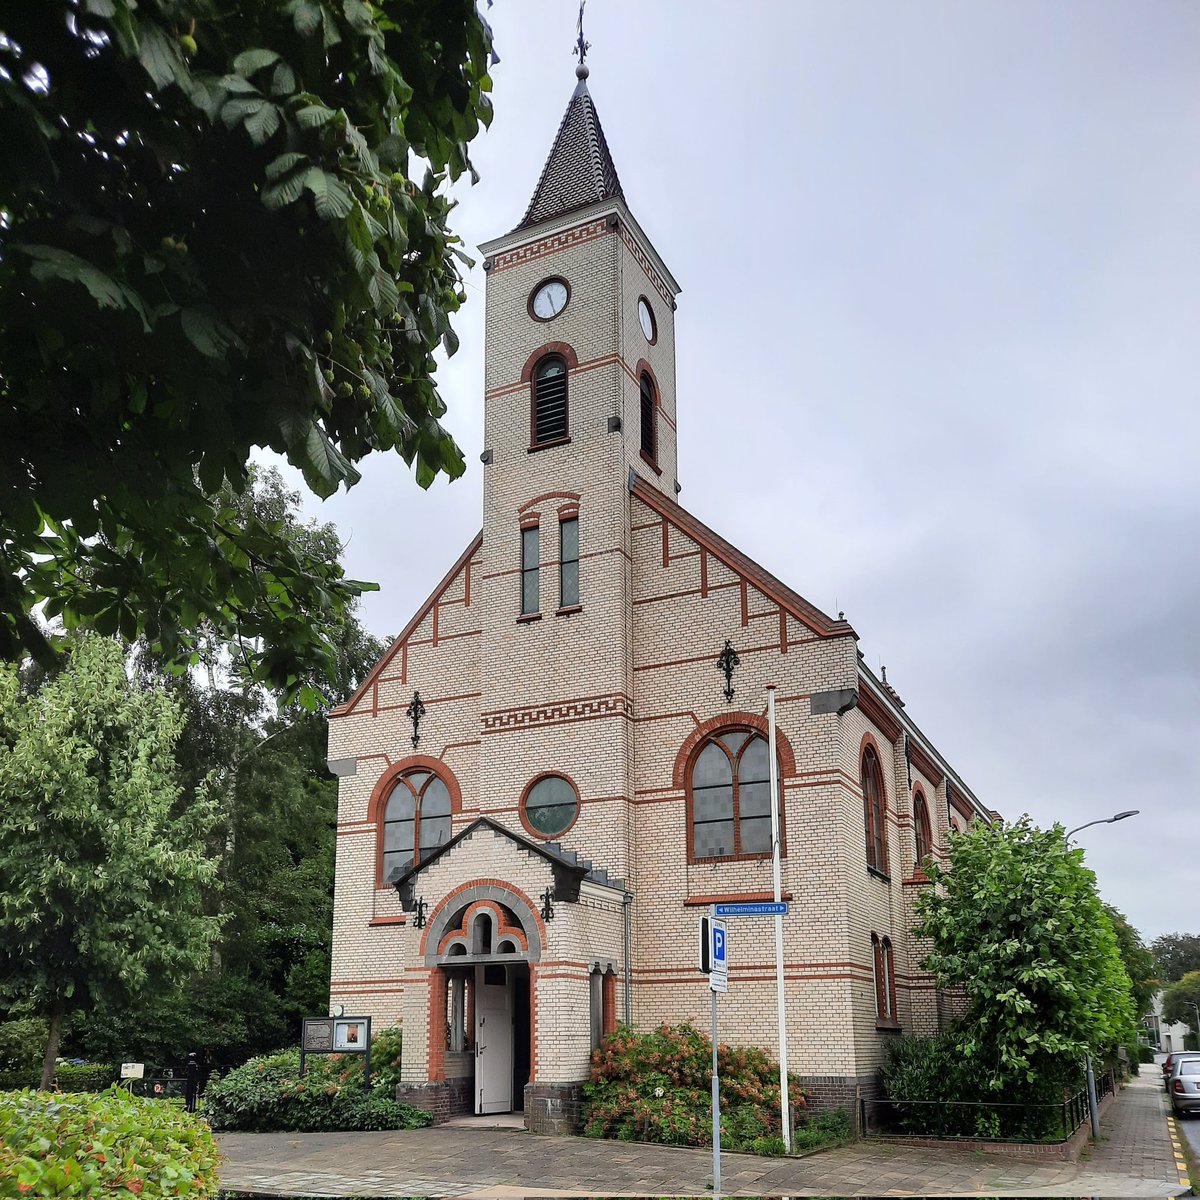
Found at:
[646, 317]
[550, 299]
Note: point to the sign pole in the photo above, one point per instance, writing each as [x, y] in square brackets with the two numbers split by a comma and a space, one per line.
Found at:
[785, 1106]
[716, 1103]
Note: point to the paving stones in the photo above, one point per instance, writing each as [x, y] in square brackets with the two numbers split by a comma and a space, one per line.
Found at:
[1134, 1158]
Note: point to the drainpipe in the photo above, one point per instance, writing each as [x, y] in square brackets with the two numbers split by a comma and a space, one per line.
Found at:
[626, 904]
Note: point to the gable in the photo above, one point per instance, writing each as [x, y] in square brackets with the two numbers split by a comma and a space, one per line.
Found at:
[722, 565]
[446, 615]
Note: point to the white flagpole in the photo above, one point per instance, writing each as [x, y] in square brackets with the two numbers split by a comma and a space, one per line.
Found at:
[780, 998]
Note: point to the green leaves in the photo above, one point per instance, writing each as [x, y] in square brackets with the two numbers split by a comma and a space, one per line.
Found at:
[1017, 924]
[252, 184]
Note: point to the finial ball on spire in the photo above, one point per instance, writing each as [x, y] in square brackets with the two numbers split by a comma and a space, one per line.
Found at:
[581, 71]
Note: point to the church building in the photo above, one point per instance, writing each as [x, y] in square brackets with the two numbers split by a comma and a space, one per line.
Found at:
[562, 760]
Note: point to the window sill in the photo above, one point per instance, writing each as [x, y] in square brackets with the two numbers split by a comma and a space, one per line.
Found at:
[718, 859]
[888, 1027]
[570, 608]
[879, 874]
[650, 462]
[735, 898]
[525, 618]
[564, 441]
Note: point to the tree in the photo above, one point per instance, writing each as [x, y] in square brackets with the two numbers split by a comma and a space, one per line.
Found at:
[1179, 998]
[1017, 924]
[1178, 954]
[102, 872]
[263, 765]
[1140, 965]
[226, 227]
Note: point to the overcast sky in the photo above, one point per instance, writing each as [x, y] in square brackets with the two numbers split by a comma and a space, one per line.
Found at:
[940, 305]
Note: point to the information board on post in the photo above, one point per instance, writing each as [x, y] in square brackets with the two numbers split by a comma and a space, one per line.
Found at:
[337, 1035]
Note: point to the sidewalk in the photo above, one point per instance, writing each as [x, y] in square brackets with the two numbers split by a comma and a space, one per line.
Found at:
[1134, 1158]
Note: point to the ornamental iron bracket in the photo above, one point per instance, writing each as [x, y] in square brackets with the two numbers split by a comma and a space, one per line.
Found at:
[414, 712]
[547, 905]
[419, 913]
[726, 661]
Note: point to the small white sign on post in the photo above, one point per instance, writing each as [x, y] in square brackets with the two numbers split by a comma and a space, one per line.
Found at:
[133, 1070]
[718, 958]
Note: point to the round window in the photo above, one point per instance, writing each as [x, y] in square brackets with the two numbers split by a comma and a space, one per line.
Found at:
[550, 806]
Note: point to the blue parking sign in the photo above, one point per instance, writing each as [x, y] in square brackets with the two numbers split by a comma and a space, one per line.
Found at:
[718, 950]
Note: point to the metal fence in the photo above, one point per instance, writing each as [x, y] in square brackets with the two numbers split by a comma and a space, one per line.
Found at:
[186, 1084]
[980, 1121]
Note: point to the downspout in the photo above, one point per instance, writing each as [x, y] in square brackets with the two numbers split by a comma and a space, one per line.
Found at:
[627, 905]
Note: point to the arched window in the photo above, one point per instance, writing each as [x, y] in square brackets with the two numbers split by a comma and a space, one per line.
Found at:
[416, 821]
[874, 810]
[921, 828]
[649, 419]
[730, 797]
[883, 965]
[550, 401]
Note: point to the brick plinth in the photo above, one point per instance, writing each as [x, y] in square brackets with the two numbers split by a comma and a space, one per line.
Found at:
[553, 1107]
[444, 1098]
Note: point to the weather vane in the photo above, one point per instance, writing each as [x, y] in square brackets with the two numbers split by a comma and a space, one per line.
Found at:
[581, 47]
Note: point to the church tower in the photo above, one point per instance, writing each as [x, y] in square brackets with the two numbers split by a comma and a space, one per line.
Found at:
[579, 393]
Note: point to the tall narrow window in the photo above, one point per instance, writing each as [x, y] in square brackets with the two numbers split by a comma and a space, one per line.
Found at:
[874, 811]
[924, 835]
[596, 998]
[883, 967]
[649, 422]
[568, 563]
[529, 570]
[550, 401]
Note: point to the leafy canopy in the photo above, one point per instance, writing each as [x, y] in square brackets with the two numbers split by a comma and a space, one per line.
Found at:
[1179, 998]
[102, 873]
[1017, 924]
[1177, 954]
[224, 227]
[1139, 962]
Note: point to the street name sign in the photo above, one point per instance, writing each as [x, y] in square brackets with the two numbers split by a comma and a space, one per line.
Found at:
[761, 908]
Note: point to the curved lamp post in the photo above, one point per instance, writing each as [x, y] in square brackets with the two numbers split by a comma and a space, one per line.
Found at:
[1133, 812]
[1093, 1106]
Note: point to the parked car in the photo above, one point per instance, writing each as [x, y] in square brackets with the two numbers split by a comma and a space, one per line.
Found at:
[1184, 1084]
[1170, 1061]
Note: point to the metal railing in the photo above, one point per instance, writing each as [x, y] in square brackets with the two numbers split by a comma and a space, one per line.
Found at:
[980, 1121]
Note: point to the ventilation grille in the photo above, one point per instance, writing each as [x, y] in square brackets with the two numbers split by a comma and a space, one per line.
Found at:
[550, 421]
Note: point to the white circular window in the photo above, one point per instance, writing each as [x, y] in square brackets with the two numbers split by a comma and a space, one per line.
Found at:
[646, 319]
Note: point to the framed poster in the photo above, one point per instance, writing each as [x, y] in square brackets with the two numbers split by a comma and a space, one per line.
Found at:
[350, 1035]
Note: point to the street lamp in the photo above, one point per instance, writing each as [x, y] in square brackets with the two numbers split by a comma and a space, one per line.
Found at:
[1133, 812]
[1093, 1105]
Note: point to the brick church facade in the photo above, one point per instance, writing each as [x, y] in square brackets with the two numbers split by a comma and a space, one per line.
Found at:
[546, 779]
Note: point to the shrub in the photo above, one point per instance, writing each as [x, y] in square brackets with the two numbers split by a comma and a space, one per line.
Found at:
[1145, 1054]
[267, 1093]
[107, 1144]
[954, 1095]
[656, 1087]
[86, 1077]
[22, 1042]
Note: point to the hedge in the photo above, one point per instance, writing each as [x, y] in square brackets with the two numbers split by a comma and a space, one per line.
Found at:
[104, 1144]
[87, 1077]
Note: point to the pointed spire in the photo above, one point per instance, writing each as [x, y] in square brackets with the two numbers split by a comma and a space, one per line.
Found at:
[580, 168]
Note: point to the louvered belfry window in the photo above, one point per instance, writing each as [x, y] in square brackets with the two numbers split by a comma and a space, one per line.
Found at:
[550, 401]
[649, 429]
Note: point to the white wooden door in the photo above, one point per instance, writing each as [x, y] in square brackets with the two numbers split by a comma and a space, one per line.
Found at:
[493, 1041]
